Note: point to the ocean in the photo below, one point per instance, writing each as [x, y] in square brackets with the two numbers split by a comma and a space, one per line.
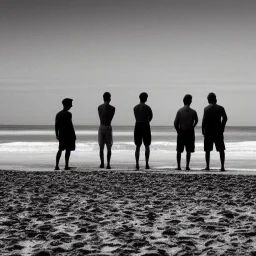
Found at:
[35, 147]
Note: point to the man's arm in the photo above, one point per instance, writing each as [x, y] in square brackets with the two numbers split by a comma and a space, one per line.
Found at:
[134, 112]
[57, 127]
[204, 123]
[224, 120]
[195, 120]
[73, 130]
[176, 123]
[99, 112]
[113, 113]
[150, 115]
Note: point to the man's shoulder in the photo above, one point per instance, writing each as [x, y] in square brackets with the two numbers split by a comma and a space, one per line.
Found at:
[220, 107]
[193, 111]
[63, 114]
[207, 108]
[136, 106]
[147, 106]
[60, 113]
[112, 107]
[181, 109]
[100, 106]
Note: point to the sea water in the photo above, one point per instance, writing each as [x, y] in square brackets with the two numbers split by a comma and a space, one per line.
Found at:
[36, 146]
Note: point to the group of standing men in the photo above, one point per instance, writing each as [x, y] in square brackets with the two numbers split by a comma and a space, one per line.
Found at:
[213, 127]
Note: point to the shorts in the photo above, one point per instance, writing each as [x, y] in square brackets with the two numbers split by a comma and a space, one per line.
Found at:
[142, 132]
[105, 135]
[67, 144]
[186, 139]
[217, 139]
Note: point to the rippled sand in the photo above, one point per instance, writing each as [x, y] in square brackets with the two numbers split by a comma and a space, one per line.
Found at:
[126, 213]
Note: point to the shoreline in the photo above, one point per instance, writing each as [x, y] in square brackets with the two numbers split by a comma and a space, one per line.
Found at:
[159, 170]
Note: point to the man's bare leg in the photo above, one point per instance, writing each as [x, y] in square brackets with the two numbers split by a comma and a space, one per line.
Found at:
[137, 157]
[222, 160]
[188, 160]
[67, 155]
[58, 156]
[207, 160]
[102, 156]
[178, 160]
[109, 156]
[147, 153]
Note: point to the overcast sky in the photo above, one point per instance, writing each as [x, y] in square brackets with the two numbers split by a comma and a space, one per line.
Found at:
[50, 50]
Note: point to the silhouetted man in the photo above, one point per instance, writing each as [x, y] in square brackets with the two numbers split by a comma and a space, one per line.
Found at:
[106, 114]
[143, 116]
[185, 123]
[65, 133]
[213, 127]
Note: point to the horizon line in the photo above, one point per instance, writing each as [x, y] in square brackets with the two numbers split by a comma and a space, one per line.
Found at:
[93, 125]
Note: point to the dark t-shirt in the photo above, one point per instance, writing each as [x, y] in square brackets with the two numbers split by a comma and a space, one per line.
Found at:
[63, 122]
[212, 120]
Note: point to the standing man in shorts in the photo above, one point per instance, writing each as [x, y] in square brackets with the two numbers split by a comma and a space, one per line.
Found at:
[65, 133]
[106, 114]
[143, 116]
[185, 123]
[213, 127]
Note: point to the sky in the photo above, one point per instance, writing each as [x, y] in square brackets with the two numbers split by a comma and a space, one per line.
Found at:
[50, 50]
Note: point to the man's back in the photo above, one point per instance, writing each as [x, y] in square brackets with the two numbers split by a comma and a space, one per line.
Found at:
[106, 114]
[143, 113]
[186, 118]
[212, 120]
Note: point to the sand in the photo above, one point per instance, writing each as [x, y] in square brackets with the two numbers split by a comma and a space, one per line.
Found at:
[127, 213]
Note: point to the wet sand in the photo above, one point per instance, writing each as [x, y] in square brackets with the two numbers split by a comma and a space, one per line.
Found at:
[127, 213]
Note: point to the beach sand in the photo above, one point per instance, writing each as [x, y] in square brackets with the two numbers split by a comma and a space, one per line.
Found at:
[127, 213]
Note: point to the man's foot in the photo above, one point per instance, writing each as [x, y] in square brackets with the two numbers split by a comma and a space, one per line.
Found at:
[67, 168]
[147, 167]
[187, 168]
[137, 167]
[102, 166]
[222, 169]
[178, 169]
[109, 167]
[206, 169]
[57, 168]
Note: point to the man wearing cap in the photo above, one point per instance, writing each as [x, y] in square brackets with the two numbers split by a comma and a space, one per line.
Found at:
[143, 116]
[65, 133]
[185, 123]
[106, 113]
[213, 127]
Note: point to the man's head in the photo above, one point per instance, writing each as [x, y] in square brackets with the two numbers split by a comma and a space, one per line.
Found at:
[143, 97]
[107, 97]
[67, 103]
[187, 99]
[212, 98]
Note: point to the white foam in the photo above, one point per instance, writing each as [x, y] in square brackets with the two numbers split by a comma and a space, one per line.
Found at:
[247, 148]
